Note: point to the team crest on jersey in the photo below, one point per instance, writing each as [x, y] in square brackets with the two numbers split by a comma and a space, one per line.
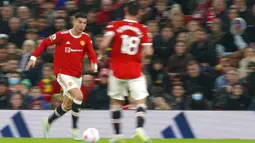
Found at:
[53, 37]
[70, 83]
[82, 43]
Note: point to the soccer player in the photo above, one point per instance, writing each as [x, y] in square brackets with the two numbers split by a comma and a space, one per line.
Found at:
[130, 43]
[71, 46]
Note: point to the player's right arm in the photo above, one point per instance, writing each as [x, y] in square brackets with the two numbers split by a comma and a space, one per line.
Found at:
[51, 40]
[108, 36]
[146, 42]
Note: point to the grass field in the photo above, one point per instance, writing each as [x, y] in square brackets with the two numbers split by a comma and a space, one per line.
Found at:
[15, 140]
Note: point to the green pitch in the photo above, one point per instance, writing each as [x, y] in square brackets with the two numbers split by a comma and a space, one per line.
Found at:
[16, 140]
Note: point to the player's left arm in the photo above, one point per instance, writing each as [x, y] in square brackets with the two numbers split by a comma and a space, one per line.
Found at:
[146, 42]
[91, 54]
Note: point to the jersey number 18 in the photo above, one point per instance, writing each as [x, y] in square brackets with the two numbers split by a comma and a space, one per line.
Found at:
[129, 45]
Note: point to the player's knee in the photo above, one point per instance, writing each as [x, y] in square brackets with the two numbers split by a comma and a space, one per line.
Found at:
[116, 111]
[78, 96]
[66, 107]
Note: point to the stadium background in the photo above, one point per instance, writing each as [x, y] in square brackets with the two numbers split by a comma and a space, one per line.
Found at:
[218, 61]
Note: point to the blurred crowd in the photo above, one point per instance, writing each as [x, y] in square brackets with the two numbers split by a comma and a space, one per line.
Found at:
[204, 56]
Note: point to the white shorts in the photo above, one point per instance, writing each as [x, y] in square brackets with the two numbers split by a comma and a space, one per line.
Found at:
[68, 82]
[118, 88]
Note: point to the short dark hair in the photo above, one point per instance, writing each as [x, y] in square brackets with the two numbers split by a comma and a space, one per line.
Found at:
[80, 15]
[166, 27]
[181, 41]
[42, 17]
[61, 9]
[59, 17]
[48, 65]
[201, 30]
[193, 62]
[133, 8]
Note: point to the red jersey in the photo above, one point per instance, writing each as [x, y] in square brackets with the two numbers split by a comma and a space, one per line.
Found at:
[128, 38]
[69, 52]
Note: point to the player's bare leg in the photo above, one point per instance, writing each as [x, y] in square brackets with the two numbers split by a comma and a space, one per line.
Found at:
[116, 108]
[140, 116]
[59, 111]
[76, 107]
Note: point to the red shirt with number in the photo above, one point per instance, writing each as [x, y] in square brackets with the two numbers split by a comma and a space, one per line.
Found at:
[128, 38]
[69, 52]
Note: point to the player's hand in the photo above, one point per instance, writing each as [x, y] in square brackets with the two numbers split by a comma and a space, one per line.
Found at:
[93, 67]
[30, 64]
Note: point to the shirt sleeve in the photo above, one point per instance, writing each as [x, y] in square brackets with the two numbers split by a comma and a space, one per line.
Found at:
[51, 40]
[90, 51]
[110, 29]
[146, 39]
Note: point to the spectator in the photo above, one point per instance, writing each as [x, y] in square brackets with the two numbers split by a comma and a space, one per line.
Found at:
[3, 40]
[193, 26]
[197, 79]
[31, 34]
[31, 23]
[36, 95]
[4, 93]
[61, 12]
[86, 87]
[153, 27]
[6, 14]
[48, 85]
[203, 50]
[105, 12]
[250, 79]
[98, 99]
[232, 14]
[48, 7]
[87, 5]
[160, 104]
[177, 62]
[12, 65]
[177, 100]
[182, 36]
[59, 24]
[160, 12]
[146, 11]
[23, 14]
[197, 101]
[249, 56]
[231, 77]
[92, 26]
[12, 51]
[237, 98]
[118, 13]
[219, 8]
[37, 105]
[158, 76]
[163, 44]
[16, 102]
[71, 7]
[56, 100]
[236, 39]
[16, 34]
[175, 10]
[222, 80]
[42, 26]
[216, 35]
[243, 11]
[177, 22]
[3, 55]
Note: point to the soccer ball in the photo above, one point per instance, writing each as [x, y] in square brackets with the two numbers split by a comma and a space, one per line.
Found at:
[91, 135]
